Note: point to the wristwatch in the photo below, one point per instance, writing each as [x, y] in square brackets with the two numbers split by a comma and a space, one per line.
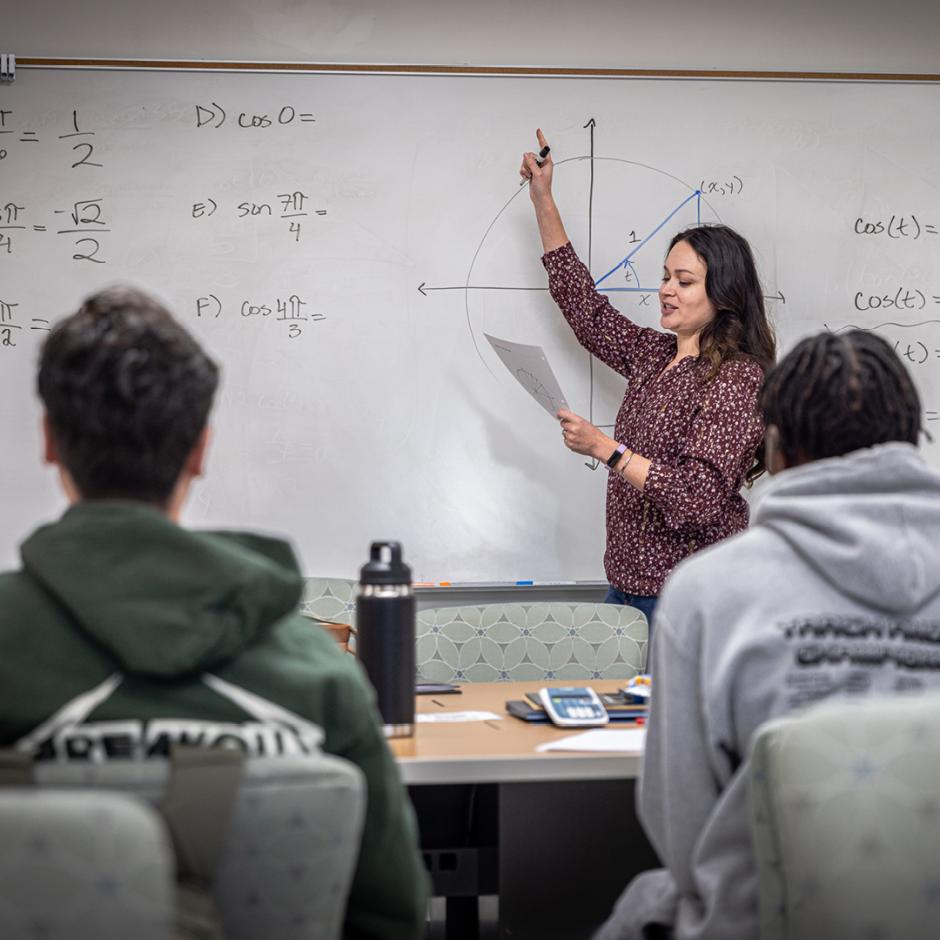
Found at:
[616, 455]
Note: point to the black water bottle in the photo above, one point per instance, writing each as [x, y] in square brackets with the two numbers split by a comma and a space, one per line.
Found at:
[385, 623]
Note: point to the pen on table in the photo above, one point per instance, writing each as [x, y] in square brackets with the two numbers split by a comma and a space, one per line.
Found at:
[520, 583]
[539, 159]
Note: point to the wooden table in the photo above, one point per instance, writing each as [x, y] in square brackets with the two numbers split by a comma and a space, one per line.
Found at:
[503, 750]
[544, 826]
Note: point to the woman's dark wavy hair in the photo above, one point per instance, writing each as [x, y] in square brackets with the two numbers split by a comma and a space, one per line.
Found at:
[835, 393]
[740, 329]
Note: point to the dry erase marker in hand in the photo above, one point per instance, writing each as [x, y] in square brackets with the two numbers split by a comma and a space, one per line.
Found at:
[539, 159]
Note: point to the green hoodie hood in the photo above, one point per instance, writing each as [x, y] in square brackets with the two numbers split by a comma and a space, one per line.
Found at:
[163, 600]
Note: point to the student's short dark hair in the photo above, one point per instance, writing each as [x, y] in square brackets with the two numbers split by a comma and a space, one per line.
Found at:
[127, 391]
[838, 392]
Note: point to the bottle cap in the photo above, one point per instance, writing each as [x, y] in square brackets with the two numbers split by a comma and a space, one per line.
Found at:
[385, 565]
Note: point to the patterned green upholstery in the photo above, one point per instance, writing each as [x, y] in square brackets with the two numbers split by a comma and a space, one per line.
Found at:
[845, 819]
[77, 865]
[330, 600]
[515, 642]
[287, 861]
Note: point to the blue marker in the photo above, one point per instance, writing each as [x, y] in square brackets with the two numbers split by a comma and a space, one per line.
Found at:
[519, 583]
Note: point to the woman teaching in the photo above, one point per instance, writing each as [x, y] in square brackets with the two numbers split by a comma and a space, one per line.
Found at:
[688, 434]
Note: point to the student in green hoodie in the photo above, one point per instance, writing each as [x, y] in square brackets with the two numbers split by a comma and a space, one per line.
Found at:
[124, 632]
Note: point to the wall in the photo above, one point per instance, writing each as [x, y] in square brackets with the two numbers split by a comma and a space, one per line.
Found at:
[830, 35]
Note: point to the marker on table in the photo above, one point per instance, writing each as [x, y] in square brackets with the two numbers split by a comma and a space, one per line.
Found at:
[519, 583]
[539, 159]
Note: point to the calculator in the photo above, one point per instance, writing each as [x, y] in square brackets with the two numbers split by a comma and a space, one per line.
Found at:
[573, 706]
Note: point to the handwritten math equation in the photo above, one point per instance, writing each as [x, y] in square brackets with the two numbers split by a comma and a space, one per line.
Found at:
[84, 220]
[84, 213]
[291, 311]
[292, 207]
[898, 227]
[16, 323]
[12, 134]
[213, 115]
[915, 351]
[904, 298]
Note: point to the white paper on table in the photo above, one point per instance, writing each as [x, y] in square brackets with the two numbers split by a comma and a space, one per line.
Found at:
[619, 741]
[530, 367]
[457, 716]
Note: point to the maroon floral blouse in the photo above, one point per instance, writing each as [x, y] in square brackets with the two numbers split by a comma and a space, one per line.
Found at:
[700, 437]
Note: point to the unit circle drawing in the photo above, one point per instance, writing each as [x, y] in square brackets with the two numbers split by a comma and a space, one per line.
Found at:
[620, 216]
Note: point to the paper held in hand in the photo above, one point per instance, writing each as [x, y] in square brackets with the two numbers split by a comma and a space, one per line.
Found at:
[530, 367]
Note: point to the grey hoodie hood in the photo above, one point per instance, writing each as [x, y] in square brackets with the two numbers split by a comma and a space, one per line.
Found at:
[867, 522]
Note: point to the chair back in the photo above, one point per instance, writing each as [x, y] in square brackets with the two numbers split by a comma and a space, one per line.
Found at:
[289, 857]
[82, 865]
[845, 819]
[517, 642]
[329, 600]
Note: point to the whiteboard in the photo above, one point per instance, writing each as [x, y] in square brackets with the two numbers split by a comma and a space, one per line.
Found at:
[341, 242]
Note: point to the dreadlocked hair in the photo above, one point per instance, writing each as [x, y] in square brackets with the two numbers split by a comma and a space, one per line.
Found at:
[835, 393]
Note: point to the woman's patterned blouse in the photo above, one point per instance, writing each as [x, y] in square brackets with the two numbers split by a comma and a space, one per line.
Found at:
[700, 436]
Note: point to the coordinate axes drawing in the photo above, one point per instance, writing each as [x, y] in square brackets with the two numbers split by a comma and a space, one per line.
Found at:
[633, 182]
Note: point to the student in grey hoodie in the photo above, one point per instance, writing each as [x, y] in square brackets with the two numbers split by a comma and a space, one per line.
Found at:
[124, 632]
[834, 589]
